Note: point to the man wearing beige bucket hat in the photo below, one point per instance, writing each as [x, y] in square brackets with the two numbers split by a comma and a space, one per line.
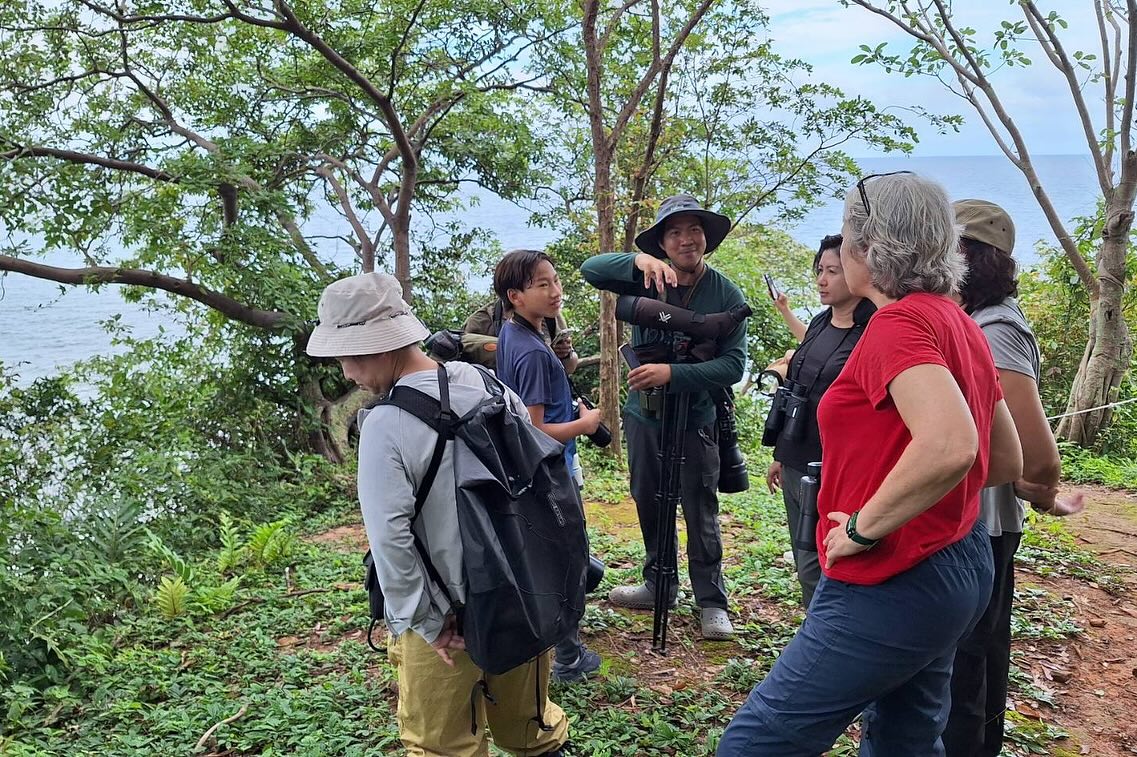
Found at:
[366, 325]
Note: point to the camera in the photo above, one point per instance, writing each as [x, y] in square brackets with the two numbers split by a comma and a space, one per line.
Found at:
[787, 415]
[732, 465]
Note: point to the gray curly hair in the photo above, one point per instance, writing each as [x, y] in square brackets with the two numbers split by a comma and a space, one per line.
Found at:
[909, 240]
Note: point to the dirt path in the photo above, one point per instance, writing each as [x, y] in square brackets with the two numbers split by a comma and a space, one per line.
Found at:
[1093, 677]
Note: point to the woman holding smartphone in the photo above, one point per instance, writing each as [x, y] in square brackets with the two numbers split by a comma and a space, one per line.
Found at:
[825, 346]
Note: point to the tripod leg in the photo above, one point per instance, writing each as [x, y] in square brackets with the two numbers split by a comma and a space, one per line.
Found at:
[666, 534]
[673, 433]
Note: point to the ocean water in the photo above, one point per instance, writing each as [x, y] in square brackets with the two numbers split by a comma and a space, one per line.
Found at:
[45, 327]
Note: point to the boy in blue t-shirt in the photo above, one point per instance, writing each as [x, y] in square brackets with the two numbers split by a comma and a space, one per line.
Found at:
[527, 281]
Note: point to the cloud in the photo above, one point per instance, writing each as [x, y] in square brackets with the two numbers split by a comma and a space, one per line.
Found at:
[827, 36]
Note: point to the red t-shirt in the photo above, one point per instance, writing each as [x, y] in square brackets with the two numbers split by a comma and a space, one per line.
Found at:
[863, 435]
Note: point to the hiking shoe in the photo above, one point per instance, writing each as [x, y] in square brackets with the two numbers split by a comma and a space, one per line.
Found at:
[716, 624]
[586, 662]
[638, 597]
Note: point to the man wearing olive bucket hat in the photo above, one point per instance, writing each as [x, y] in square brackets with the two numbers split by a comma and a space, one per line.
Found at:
[672, 267]
[367, 326]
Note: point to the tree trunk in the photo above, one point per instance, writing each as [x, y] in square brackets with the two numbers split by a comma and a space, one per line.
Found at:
[402, 237]
[1109, 346]
[609, 328]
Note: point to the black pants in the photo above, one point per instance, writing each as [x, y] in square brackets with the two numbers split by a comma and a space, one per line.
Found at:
[982, 664]
[699, 478]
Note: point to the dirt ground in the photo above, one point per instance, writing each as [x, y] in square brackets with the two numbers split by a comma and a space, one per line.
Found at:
[1094, 676]
[1090, 680]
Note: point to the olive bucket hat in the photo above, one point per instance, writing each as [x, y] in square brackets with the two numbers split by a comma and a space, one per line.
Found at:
[985, 222]
[715, 225]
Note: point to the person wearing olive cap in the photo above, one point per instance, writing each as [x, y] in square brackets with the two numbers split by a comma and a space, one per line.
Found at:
[982, 660]
[672, 267]
[367, 326]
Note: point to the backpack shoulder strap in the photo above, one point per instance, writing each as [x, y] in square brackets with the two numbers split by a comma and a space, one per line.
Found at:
[497, 317]
[437, 414]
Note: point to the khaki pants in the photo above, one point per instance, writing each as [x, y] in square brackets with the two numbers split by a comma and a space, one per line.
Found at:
[434, 704]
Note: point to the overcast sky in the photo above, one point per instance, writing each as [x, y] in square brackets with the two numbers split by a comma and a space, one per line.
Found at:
[827, 35]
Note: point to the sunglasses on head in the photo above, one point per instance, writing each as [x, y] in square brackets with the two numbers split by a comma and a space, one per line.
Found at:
[865, 195]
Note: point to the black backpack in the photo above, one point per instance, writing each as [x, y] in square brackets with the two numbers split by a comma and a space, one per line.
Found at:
[524, 546]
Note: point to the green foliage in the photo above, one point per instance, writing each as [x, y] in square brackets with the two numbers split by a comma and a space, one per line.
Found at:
[172, 597]
[1083, 466]
[181, 568]
[272, 543]
[232, 552]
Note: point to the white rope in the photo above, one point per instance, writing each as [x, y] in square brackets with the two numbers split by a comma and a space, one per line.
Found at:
[1092, 409]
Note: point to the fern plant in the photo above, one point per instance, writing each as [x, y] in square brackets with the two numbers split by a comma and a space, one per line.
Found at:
[212, 599]
[232, 551]
[172, 597]
[272, 543]
[180, 567]
[116, 529]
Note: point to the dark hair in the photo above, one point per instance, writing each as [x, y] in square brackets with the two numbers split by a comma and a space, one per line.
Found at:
[827, 243]
[515, 271]
[990, 275]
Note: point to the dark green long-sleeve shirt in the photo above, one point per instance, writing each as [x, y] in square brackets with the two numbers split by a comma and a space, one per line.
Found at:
[714, 293]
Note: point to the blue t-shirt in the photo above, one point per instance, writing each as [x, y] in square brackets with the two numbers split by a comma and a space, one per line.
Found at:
[528, 366]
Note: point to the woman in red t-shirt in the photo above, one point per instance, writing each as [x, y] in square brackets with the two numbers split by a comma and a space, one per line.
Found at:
[911, 430]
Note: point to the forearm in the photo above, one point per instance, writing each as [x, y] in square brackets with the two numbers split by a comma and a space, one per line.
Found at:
[401, 574]
[613, 272]
[925, 472]
[793, 323]
[563, 432]
[571, 362]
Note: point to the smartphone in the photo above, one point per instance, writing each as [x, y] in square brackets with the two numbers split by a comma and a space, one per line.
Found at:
[562, 334]
[771, 287]
[629, 356]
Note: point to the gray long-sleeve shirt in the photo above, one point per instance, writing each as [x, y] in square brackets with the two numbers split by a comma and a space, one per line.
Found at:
[394, 452]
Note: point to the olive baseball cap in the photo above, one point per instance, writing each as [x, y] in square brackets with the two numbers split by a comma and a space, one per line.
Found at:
[985, 222]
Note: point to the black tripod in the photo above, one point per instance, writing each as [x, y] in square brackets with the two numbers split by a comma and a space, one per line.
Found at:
[672, 435]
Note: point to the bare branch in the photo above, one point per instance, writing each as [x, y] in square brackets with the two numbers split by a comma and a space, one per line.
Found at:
[654, 70]
[72, 156]
[1066, 67]
[1130, 73]
[366, 250]
[1110, 85]
[227, 306]
[132, 19]
[399, 47]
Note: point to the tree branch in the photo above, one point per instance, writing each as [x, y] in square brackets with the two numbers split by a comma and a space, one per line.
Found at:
[636, 97]
[1067, 69]
[366, 250]
[72, 156]
[227, 306]
[1130, 73]
[1110, 84]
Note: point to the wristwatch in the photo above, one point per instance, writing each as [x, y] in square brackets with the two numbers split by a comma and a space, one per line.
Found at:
[851, 532]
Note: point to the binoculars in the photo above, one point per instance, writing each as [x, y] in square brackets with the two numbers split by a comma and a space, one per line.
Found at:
[787, 416]
[805, 530]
